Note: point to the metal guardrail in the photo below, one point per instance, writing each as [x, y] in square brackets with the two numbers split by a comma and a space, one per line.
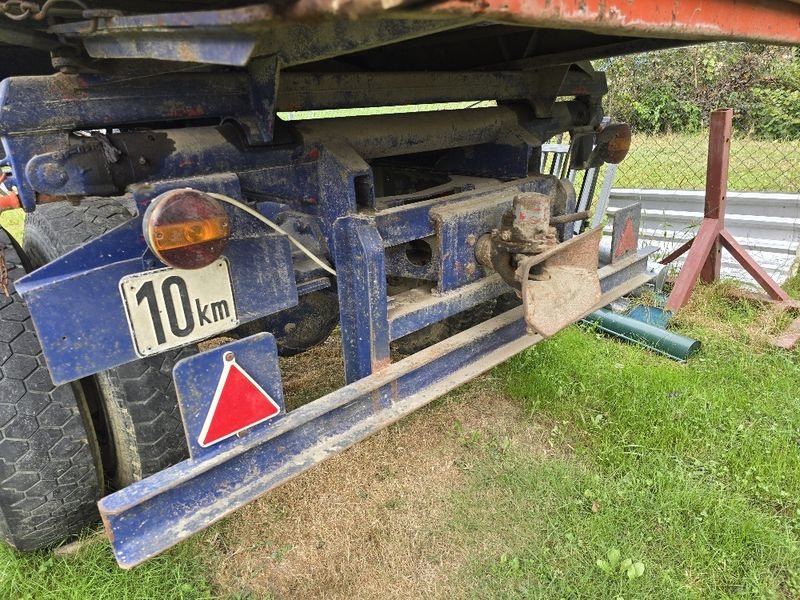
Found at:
[766, 224]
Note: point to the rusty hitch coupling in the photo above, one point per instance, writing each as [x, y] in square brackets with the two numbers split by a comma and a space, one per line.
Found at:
[557, 281]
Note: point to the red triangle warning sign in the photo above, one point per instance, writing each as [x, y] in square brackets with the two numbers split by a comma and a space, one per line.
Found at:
[627, 241]
[238, 404]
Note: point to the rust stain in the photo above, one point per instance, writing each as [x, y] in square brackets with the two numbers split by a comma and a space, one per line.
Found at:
[4, 275]
[186, 112]
[107, 527]
[313, 154]
[379, 365]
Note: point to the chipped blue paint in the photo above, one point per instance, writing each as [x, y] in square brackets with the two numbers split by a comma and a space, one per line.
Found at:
[365, 194]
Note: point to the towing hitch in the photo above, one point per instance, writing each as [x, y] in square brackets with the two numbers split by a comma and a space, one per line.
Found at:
[561, 284]
[557, 281]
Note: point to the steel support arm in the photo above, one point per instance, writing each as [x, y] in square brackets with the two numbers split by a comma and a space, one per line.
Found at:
[154, 514]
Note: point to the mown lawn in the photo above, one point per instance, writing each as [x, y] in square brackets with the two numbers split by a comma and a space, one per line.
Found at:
[689, 473]
[693, 470]
[678, 161]
[92, 573]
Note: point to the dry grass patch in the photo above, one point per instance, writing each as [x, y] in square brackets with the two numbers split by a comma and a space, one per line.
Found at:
[312, 374]
[373, 521]
[716, 309]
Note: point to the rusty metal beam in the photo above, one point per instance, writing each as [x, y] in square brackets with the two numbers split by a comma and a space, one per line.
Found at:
[703, 244]
[234, 36]
[752, 267]
[705, 248]
[677, 253]
[719, 151]
[310, 91]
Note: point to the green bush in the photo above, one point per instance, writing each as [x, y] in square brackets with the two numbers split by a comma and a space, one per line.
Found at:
[675, 90]
[779, 101]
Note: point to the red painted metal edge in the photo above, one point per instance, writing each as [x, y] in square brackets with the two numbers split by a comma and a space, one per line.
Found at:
[752, 267]
[703, 244]
[677, 253]
[764, 20]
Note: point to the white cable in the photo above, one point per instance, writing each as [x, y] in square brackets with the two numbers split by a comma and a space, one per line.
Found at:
[257, 215]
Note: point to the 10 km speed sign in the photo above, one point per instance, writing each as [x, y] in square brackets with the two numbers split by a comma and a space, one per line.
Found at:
[169, 307]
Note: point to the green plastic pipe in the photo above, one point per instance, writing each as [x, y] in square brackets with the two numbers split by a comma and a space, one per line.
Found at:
[655, 338]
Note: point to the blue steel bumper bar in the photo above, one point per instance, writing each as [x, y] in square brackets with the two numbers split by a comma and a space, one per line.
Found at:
[154, 514]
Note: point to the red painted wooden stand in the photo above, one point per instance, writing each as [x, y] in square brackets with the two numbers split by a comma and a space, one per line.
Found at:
[705, 248]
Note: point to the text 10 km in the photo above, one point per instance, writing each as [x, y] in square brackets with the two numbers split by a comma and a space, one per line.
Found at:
[168, 308]
[208, 313]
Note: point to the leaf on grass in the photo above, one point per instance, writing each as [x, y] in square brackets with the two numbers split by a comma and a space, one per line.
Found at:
[613, 557]
[635, 570]
[595, 506]
[604, 566]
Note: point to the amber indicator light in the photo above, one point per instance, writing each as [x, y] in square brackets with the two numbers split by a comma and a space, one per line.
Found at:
[617, 138]
[186, 229]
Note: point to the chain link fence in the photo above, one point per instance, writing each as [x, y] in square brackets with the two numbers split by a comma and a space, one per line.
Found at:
[678, 162]
[667, 175]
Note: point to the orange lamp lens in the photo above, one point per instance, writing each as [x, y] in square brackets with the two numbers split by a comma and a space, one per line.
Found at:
[186, 229]
[617, 138]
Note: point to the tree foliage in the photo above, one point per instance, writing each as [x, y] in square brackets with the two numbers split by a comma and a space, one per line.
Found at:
[675, 90]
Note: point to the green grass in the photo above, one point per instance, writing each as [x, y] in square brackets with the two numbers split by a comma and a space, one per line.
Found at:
[12, 221]
[678, 161]
[92, 573]
[692, 469]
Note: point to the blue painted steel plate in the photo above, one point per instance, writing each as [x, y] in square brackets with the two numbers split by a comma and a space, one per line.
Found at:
[197, 382]
[66, 296]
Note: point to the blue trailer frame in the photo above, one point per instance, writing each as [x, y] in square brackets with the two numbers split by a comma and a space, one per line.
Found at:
[329, 184]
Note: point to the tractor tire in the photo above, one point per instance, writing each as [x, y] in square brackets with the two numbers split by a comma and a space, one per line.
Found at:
[50, 472]
[137, 400]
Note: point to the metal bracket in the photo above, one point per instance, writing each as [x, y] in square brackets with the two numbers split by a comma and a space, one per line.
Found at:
[154, 514]
[564, 286]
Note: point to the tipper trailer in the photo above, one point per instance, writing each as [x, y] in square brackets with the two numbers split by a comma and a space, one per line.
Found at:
[182, 231]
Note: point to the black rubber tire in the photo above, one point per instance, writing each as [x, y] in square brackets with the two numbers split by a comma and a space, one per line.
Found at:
[50, 476]
[137, 399]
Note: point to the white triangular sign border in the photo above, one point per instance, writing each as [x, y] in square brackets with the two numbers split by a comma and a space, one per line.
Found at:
[227, 365]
